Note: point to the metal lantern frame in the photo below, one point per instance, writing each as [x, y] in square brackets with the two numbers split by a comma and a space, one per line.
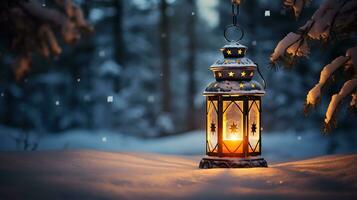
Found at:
[234, 84]
[247, 146]
[231, 131]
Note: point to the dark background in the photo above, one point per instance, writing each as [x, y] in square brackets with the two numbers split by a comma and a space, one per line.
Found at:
[154, 62]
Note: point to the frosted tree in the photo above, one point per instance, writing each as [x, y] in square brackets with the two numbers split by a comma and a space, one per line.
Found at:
[333, 20]
[33, 27]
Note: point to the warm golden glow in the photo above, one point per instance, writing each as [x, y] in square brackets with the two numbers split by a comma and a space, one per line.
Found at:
[232, 130]
[251, 73]
[241, 85]
[243, 73]
[229, 52]
[240, 51]
[212, 129]
[219, 74]
[253, 126]
[231, 74]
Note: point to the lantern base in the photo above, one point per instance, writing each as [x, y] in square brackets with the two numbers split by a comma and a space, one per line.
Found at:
[217, 162]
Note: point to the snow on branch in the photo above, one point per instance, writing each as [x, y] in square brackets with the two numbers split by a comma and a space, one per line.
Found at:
[349, 61]
[332, 20]
[32, 28]
[347, 89]
[296, 5]
[314, 95]
[288, 48]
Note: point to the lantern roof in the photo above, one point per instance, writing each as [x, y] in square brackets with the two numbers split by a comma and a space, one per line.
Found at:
[234, 72]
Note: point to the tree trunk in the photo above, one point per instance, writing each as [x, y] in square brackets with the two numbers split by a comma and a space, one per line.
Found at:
[118, 35]
[118, 32]
[191, 60]
[165, 58]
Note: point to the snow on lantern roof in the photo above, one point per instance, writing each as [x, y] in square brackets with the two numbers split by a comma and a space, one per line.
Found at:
[235, 87]
[234, 45]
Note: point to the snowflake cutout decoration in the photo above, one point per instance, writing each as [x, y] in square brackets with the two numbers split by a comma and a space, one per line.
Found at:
[233, 128]
[213, 127]
[253, 128]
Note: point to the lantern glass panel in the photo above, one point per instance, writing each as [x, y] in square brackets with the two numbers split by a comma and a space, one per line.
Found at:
[254, 126]
[212, 128]
[232, 130]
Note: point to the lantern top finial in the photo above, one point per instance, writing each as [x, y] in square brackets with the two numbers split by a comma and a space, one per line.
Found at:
[234, 50]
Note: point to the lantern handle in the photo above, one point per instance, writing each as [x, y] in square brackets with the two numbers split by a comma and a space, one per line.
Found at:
[261, 76]
[234, 25]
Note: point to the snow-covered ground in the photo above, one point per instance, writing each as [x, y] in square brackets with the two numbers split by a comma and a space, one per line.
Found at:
[281, 146]
[79, 174]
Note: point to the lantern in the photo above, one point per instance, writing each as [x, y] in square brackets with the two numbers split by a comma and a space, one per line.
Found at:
[233, 112]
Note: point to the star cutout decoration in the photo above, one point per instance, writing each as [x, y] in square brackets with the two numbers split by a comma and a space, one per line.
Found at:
[240, 52]
[251, 73]
[231, 74]
[220, 74]
[253, 86]
[253, 128]
[243, 73]
[233, 128]
[241, 85]
[213, 127]
[229, 52]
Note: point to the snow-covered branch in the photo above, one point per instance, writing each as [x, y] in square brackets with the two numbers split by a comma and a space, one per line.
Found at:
[333, 20]
[33, 27]
[296, 5]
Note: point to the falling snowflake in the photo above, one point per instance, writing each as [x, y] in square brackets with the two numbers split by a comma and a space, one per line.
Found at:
[57, 103]
[78, 80]
[151, 99]
[101, 53]
[267, 13]
[110, 99]
[193, 13]
[2, 94]
[87, 97]
[104, 139]
[254, 43]
[299, 137]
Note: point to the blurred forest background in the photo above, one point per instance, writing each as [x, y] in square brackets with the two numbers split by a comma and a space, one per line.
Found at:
[144, 68]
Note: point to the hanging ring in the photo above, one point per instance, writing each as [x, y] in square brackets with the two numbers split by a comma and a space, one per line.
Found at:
[234, 27]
